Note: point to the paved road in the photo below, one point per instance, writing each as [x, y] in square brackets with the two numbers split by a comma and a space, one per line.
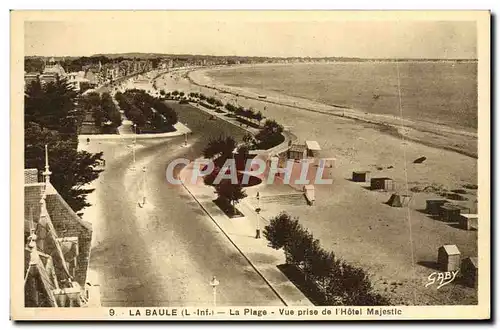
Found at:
[165, 254]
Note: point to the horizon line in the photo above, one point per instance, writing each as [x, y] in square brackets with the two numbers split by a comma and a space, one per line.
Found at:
[156, 55]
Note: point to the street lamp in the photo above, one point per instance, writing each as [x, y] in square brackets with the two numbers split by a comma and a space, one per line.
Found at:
[135, 133]
[133, 157]
[257, 210]
[214, 282]
[143, 187]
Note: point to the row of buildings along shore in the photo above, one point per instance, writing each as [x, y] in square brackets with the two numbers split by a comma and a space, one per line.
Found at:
[57, 244]
[91, 75]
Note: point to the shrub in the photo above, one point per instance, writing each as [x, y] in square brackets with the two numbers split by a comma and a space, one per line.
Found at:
[280, 229]
[338, 282]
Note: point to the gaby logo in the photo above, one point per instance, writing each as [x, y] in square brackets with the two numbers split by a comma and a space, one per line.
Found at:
[441, 278]
[270, 171]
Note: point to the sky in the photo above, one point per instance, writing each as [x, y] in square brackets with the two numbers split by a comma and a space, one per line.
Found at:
[255, 34]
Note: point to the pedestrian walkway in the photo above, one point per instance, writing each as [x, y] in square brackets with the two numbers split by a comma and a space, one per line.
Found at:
[223, 116]
[241, 232]
[289, 137]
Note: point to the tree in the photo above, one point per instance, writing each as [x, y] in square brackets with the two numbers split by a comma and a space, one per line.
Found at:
[33, 65]
[248, 139]
[229, 107]
[280, 230]
[71, 169]
[50, 104]
[321, 266]
[110, 109]
[229, 192]
[270, 135]
[167, 111]
[222, 147]
[340, 282]
[258, 116]
[158, 122]
[299, 247]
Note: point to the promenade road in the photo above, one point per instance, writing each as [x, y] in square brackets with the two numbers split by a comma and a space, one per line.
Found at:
[165, 253]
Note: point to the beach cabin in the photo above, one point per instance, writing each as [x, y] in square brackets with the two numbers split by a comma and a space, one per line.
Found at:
[448, 258]
[450, 212]
[360, 176]
[468, 221]
[386, 184]
[397, 200]
[297, 152]
[433, 205]
[469, 271]
[313, 148]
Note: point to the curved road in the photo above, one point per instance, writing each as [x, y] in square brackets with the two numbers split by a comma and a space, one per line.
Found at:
[166, 253]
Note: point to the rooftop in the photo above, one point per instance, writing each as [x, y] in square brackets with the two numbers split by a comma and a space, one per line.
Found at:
[472, 260]
[451, 249]
[313, 145]
[297, 148]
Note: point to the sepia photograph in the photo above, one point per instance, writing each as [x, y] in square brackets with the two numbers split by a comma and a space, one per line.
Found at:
[250, 165]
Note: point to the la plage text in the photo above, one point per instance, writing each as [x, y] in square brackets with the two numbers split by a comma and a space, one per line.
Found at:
[263, 312]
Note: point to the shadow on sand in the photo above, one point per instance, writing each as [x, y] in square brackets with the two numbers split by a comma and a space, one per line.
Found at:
[429, 264]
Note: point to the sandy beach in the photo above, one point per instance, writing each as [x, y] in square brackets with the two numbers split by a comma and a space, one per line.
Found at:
[400, 264]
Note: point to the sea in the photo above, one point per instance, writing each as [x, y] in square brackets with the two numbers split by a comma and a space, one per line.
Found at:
[443, 92]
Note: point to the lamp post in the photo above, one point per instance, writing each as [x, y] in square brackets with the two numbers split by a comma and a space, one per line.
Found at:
[185, 139]
[214, 282]
[135, 133]
[133, 157]
[257, 210]
[143, 186]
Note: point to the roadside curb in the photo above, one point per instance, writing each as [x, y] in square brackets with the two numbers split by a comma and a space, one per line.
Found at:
[181, 130]
[283, 300]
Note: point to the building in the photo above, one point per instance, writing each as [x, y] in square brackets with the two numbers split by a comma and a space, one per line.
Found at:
[52, 72]
[468, 221]
[77, 80]
[448, 258]
[469, 271]
[360, 176]
[433, 205]
[397, 200]
[92, 76]
[30, 77]
[57, 247]
[297, 152]
[313, 148]
[384, 183]
[450, 212]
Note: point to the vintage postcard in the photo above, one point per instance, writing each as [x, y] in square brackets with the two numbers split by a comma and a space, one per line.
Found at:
[250, 165]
